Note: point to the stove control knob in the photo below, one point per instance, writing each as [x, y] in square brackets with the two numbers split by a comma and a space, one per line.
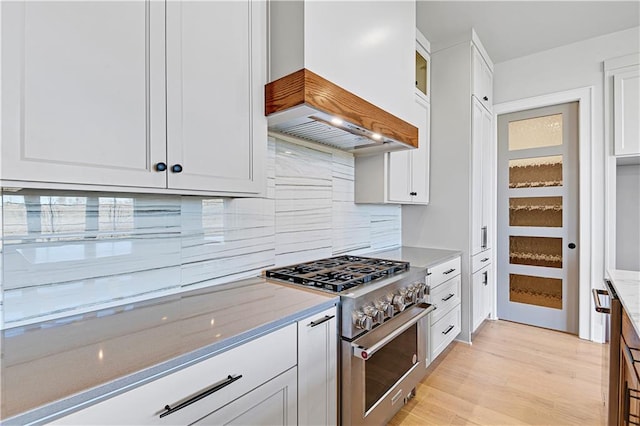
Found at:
[386, 308]
[398, 302]
[420, 290]
[410, 296]
[376, 315]
[362, 321]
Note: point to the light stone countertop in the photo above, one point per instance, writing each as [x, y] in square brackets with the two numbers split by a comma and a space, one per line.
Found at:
[53, 368]
[417, 256]
[627, 285]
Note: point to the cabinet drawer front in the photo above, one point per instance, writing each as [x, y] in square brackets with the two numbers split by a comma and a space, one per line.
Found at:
[445, 297]
[444, 331]
[443, 272]
[257, 361]
[481, 260]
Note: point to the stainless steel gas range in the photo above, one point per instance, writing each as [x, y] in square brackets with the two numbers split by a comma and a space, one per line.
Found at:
[383, 330]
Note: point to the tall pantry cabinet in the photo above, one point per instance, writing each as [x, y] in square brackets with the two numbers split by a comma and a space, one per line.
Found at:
[460, 213]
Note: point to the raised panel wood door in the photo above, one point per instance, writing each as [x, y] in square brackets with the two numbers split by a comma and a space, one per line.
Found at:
[215, 83]
[83, 92]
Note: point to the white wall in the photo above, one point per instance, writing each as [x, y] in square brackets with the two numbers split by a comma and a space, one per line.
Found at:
[565, 68]
[627, 217]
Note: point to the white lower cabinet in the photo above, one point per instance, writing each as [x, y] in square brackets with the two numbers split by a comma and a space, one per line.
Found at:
[481, 298]
[273, 403]
[318, 369]
[444, 331]
[443, 281]
[286, 377]
[256, 383]
[482, 288]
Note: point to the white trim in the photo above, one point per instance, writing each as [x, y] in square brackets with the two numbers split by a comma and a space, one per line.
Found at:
[589, 327]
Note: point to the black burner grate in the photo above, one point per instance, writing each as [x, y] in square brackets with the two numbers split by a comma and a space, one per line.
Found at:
[338, 273]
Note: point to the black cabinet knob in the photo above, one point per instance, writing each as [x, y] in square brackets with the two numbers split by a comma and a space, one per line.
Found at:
[413, 193]
[161, 167]
[485, 98]
[572, 246]
[176, 168]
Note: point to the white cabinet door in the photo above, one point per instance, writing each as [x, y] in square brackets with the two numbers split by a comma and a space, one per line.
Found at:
[399, 178]
[420, 157]
[273, 403]
[83, 92]
[482, 79]
[215, 83]
[626, 112]
[408, 179]
[317, 369]
[488, 169]
[482, 295]
[478, 298]
[481, 177]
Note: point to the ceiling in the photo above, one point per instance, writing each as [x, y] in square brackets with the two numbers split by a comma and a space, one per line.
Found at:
[511, 29]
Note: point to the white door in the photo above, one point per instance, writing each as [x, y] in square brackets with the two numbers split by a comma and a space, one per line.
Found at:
[83, 96]
[537, 247]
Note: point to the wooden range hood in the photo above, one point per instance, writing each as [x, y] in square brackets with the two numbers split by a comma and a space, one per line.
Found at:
[309, 107]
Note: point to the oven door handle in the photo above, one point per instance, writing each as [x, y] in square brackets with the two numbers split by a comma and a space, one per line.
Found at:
[364, 352]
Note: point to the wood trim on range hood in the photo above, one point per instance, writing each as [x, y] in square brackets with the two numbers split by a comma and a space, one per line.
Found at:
[302, 104]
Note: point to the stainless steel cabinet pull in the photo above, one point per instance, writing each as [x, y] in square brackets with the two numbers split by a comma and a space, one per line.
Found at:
[451, 327]
[230, 379]
[596, 298]
[484, 237]
[444, 299]
[320, 321]
[485, 278]
[448, 272]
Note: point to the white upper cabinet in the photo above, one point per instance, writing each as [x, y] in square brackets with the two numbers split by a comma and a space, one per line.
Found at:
[408, 175]
[626, 111]
[87, 98]
[81, 102]
[366, 48]
[423, 66]
[216, 129]
[482, 78]
[398, 177]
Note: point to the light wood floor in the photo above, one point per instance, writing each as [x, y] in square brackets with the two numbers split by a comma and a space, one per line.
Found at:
[511, 374]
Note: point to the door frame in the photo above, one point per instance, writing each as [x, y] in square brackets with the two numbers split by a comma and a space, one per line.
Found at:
[588, 328]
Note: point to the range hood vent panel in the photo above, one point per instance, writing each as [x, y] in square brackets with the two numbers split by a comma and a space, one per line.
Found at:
[303, 105]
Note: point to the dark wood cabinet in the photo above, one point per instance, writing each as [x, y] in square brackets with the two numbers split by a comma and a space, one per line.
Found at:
[629, 384]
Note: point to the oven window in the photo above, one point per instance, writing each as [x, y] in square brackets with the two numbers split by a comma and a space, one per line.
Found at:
[385, 367]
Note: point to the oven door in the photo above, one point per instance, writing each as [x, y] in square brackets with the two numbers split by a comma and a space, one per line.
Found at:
[382, 368]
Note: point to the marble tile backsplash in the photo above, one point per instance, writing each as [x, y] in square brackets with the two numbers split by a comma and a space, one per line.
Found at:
[68, 252]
